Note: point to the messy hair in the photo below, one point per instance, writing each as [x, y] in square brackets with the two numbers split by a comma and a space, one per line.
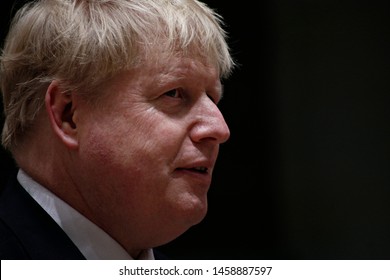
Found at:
[82, 43]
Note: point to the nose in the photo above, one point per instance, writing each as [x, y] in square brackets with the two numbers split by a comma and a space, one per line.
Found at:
[209, 124]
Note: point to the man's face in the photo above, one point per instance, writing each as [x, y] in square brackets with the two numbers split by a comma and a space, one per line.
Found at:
[146, 156]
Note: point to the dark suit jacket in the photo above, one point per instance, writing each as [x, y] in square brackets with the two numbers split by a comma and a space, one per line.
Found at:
[28, 232]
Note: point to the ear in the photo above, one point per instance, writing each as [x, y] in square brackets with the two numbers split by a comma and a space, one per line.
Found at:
[60, 107]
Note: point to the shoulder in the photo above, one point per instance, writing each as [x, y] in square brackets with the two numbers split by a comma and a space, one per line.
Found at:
[27, 231]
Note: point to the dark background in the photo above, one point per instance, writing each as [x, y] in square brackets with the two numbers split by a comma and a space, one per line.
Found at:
[305, 174]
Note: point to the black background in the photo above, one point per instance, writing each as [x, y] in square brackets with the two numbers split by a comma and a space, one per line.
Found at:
[305, 174]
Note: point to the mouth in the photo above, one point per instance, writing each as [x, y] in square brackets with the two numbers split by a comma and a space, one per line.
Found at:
[198, 169]
[196, 175]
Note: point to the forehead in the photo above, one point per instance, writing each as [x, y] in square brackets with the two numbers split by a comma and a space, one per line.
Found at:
[160, 70]
[152, 75]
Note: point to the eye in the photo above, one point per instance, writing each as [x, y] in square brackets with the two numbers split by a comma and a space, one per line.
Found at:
[212, 99]
[174, 93]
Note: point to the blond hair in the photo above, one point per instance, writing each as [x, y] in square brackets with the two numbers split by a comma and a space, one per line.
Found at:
[84, 42]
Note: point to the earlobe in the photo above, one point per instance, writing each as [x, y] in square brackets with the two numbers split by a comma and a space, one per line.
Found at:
[61, 108]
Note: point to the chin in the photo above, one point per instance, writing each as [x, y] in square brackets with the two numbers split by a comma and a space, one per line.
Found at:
[183, 224]
[193, 212]
[179, 222]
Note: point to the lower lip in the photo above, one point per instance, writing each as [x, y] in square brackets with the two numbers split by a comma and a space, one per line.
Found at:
[200, 178]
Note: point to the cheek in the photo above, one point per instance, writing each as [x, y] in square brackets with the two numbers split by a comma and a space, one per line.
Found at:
[126, 152]
[138, 148]
[100, 149]
[113, 179]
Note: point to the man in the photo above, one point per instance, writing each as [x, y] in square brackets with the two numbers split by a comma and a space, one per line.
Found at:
[111, 116]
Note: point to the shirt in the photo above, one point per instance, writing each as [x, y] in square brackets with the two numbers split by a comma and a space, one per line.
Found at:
[91, 240]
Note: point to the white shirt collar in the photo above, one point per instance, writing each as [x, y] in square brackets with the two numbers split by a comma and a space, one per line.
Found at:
[92, 241]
